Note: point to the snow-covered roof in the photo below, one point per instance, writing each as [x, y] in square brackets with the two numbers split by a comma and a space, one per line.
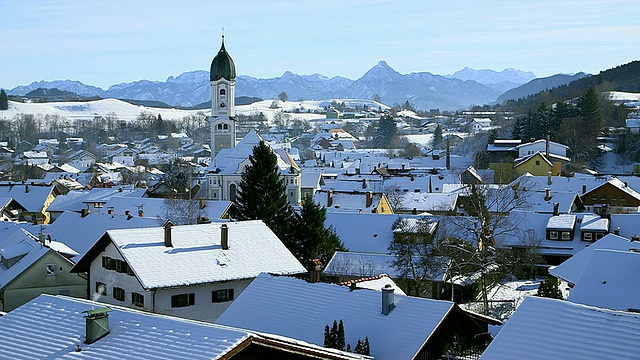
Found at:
[593, 222]
[375, 283]
[360, 264]
[33, 198]
[366, 232]
[76, 199]
[53, 326]
[571, 269]
[431, 202]
[543, 328]
[197, 252]
[562, 222]
[80, 233]
[295, 308]
[347, 201]
[610, 279]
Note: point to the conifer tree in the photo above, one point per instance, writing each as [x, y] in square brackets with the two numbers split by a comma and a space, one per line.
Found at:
[313, 240]
[550, 288]
[327, 337]
[334, 335]
[4, 101]
[437, 137]
[340, 339]
[385, 132]
[262, 194]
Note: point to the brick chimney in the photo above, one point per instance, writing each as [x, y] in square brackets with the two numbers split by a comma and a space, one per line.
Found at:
[369, 198]
[329, 198]
[387, 299]
[547, 194]
[224, 237]
[167, 233]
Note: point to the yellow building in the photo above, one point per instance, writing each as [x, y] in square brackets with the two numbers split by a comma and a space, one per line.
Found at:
[538, 165]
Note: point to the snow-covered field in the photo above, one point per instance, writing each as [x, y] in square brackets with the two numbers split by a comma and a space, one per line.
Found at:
[87, 110]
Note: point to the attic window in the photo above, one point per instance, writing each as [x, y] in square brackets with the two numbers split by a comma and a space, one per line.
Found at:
[51, 269]
[537, 162]
[553, 235]
[223, 295]
[566, 235]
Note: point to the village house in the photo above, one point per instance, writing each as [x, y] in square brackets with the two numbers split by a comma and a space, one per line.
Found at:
[612, 197]
[32, 265]
[353, 201]
[216, 262]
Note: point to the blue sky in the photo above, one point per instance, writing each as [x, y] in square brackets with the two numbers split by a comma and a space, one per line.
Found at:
[108, 42]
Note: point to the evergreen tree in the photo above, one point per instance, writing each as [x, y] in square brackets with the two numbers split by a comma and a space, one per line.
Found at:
[4, 101]
[589, 106]
[349, 347]
[550, 288]
[313, 240]
[327, 336]
[437, 137]
[367, 349]
[385, 132]
[262, 194]
[334, 335]
[340, 338]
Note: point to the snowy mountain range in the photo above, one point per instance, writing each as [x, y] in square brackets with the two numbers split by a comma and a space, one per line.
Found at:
[425, 90]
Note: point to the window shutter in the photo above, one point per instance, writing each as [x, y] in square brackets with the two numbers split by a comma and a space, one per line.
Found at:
[230, 295]
[192, 299]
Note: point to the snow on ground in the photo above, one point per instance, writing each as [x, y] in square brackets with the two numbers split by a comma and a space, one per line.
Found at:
[623, 96]
[87, 110]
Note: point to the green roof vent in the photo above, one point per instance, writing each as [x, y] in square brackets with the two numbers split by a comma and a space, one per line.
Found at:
[97, 321]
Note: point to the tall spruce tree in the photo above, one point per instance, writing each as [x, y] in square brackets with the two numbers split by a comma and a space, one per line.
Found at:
[262, 194]
[385, 132]
[436, 143]
[4, 101]
[313, 239]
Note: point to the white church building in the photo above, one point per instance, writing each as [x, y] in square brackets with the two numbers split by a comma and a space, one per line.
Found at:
[228, 158]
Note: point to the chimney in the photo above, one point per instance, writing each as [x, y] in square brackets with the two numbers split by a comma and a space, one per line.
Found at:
[616, 230]
[329, 198]
[387, 299]
[448, 161]
[127, 212]
[635, 238]
[369, 198]
[85, 212]
[224, 237]
[97, 324]
[403, 166]
[364, 183]
[556, 209]
[110, 211]
[549, 178]
[167, 233]
[203, 203]
[26, 188]
[584, 189]
[547, 194]
[547, 145]
[141, 213]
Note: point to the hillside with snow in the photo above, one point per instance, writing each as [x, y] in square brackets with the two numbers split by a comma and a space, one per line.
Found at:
[87, 110]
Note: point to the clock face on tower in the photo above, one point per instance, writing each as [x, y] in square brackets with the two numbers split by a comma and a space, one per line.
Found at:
[222, 105]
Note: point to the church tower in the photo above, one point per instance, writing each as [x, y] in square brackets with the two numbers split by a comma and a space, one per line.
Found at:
[223, 90]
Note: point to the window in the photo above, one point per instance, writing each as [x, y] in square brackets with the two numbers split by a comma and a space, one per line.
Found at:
[225, 126]
[183, 300]
[116, 265]
[553, 235]
[223, 92]
[566, 235]
[137, 299]
[101, 288]
[51, 269]
[599, 236]
[537, 162]
[594, 196]
[118, 293]
[587, 236]
[221, 295]
[98, 205]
